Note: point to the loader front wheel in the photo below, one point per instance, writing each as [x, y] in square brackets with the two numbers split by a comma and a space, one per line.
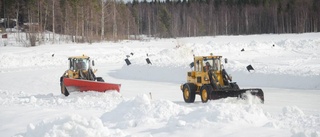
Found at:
[64, 90]
[205, 93]
[189, 93]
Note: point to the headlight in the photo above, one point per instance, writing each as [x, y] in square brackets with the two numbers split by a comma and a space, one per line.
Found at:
[206, 78]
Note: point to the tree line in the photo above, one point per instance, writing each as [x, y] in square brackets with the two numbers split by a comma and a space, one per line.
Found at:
[98, 20]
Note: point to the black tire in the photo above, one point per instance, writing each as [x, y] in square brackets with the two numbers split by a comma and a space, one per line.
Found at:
[100, 79]
[188, 92]
[64, 90]
[205, 93]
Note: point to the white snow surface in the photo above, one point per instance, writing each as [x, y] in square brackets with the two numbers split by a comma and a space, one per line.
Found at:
[150, 102]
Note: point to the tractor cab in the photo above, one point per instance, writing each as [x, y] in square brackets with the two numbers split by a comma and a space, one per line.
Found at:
[79, 63]
[80, 67]
[202, 67]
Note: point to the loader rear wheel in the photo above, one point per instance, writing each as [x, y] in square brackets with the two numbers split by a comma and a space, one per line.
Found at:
[189, 94]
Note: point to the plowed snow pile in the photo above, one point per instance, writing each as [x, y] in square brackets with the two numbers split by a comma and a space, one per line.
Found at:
[161, 116]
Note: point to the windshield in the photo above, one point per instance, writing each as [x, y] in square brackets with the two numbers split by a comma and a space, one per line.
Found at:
[212, 64]
[82, 64]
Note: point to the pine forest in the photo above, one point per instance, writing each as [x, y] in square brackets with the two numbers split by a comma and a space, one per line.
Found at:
[98, 20]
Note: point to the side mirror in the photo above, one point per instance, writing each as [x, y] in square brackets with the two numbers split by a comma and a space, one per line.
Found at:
[225, 60]
[92, 62]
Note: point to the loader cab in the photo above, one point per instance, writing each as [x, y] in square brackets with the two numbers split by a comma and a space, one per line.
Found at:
[208, 70]
[201, 66]
[79, 63]
[206, 63]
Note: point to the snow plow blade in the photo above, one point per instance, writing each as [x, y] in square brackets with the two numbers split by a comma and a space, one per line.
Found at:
[87, 85]
[240, 93]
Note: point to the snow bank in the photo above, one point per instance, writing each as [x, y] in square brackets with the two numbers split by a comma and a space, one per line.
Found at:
[162, 116]
[141, 110]
[72, 126]
[297, 57]
[300, 125]
[214, 112]
[77, 100]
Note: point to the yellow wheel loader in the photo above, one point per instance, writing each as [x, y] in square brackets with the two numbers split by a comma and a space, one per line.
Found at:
[81, 77]
[210, 80]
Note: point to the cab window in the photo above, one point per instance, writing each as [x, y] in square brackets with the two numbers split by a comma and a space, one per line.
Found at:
[81, 64]
[198, 66]
[216, 65]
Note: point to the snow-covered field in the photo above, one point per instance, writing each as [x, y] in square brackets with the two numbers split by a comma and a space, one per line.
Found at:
[150, 103]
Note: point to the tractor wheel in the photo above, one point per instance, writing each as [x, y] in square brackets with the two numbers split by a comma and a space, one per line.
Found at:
[189, 94]
[64, 90]
[205, 92]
